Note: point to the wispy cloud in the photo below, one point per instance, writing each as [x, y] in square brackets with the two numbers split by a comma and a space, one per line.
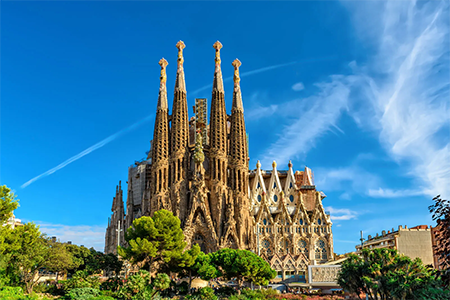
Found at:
[298, 86]
[265, 69]
[351, 179]
[89, 236]
[341, 213]
[87, 151]
[411, 101]
[309, 118]
[401, 92]
[389, 193]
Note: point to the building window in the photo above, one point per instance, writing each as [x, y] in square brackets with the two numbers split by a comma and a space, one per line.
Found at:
[265, 221]
[291, 198]
[274, 185]
[290, 185]
[259, 198]
[275, 198]
[321, 251]
[301, 221]
[259, 185]
[319, 221]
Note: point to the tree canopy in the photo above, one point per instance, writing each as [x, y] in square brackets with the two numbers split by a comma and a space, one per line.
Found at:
[385, 274]
[441, 214]
[243, 265]
[157, 239]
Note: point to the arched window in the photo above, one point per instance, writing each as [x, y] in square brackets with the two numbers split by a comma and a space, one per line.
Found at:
[303, 246]
[274, 185]
[259, 185]
[301, 221]
[321, 251]
[290, 185]
[265, 221]
[319, 221]
[275, 198]
[291, 197]
[259, 197]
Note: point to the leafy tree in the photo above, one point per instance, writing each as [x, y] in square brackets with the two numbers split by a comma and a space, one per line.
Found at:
[157, 239]
[441, 214]
[79, 256]
[243, 265]
[385, 274]
[8, 203]
[31, 254]
[60, 259]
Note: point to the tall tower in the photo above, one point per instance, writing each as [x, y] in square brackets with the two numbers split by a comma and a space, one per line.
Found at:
[159, 198]
[114, 231]
[238, 163]
[179, 142]
[218, 146]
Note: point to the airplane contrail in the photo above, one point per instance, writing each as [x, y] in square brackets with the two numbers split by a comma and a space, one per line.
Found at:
[261, 70]
[88, 150]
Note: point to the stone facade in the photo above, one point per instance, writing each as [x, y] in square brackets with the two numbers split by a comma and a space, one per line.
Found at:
[200, 172]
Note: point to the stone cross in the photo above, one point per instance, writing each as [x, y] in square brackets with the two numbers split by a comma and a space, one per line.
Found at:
[118, 233]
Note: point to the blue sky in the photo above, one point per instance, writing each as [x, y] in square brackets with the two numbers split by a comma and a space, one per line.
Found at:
[358, 91]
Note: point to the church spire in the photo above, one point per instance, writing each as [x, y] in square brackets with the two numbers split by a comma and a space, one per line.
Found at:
[218, 123]
[162, 99]
[160, 145]
[237, 97]
[179, 141]
[218, 81]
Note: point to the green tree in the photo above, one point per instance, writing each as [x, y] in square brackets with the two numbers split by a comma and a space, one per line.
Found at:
[59, 258]
[243, 265]
[31, 254]
[441, 214]
[385, 274]
[157, 239]
[8, 203]
[79, 256]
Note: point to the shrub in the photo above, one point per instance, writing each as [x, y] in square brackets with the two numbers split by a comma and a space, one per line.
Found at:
[102, 298]
[112, 284]
[11, 293]
[85, 293]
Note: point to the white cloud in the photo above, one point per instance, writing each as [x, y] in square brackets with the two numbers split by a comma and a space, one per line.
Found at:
[411, 101]
[309, 118]
[401, 93]
[351, 179]
[389, 193]
[258, 112]
[298, 86]
[89, 236]
[341, 213]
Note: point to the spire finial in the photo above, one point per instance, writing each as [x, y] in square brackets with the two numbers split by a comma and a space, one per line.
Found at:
[217, 45]
[290, 164]
[180, 46]
[236, 64]
[274, 164]
[163, 63]
[258, 165]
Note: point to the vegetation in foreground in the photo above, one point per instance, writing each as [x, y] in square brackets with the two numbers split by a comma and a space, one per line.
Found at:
[156, 246]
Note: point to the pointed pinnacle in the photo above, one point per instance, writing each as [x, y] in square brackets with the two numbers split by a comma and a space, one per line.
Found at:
[217, 45]
[236, 64]
[180, 45]
[163, 63]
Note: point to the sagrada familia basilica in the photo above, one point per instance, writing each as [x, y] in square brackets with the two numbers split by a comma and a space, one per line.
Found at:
[200, 172]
